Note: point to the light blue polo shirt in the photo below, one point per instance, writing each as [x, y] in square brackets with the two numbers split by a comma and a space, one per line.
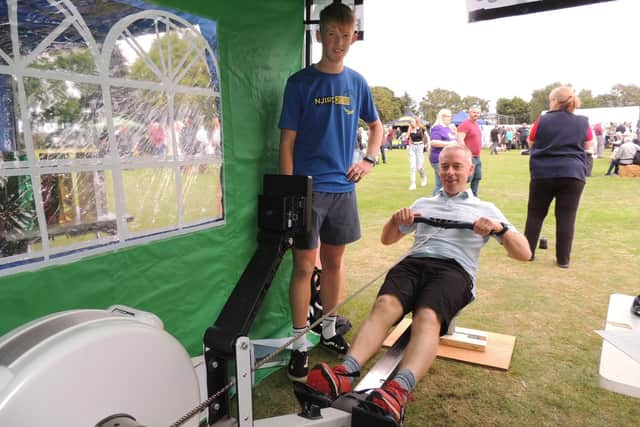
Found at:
[463, 246]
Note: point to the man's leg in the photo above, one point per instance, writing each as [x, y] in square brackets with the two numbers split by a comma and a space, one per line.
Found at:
[386, 311]
[423, 345]
[418, 357]
[477, 175]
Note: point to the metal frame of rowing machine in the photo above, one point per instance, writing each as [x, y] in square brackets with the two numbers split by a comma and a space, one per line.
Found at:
[284, 210]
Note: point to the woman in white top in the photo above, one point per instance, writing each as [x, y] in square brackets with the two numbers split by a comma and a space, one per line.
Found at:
[416, 154]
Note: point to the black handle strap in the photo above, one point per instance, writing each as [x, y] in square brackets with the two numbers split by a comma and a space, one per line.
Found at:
[444, 223]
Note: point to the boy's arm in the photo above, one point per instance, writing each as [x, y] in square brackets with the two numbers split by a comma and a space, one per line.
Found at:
[391, 232]
[287, 141]
[375, 138]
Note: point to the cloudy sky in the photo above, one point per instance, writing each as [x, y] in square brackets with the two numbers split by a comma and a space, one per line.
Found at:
[419, 45]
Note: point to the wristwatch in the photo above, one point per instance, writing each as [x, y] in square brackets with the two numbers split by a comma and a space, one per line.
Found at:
[505, 228]
[370, 160]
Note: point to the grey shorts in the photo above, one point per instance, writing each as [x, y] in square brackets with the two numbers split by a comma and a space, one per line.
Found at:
[335, 220]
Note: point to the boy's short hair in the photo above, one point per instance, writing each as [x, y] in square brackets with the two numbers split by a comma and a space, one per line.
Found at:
[338, 13]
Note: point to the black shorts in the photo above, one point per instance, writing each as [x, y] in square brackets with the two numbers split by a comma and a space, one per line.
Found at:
[439, 284]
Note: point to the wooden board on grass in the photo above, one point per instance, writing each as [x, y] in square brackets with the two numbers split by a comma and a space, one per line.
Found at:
[396, 332]
[497, 354]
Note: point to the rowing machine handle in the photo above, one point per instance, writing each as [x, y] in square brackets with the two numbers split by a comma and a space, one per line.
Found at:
[444, 223]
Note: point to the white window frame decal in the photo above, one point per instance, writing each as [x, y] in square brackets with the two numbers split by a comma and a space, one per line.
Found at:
[169, 78]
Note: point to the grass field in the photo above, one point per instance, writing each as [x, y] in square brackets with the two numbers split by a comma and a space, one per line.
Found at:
[553, 378]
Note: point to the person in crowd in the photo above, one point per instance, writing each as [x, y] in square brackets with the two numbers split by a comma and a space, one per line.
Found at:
[616, 141]
[523, 135]
[156, 136]
[470, 134]
[387, 144]
[590, 154]
[623, 155]
[435, 281]
[557, 164]
[416, 154]
[508, 138]
[321, 107]
[495, 139]
[441, 135]
[599, 133]
[361, 145]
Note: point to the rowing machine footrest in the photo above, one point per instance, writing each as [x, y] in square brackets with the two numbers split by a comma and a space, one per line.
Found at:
[368, 414]
[346, 402]
[311, 401]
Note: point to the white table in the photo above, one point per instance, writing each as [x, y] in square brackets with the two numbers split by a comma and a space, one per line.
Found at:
[618, 371]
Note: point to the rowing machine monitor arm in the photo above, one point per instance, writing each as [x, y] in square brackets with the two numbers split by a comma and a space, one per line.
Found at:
[284, 210]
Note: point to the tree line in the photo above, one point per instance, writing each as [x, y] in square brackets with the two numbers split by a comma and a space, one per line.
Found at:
[391, 107]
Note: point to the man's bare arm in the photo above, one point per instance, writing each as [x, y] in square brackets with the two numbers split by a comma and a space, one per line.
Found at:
[515, 243]
[390, 232]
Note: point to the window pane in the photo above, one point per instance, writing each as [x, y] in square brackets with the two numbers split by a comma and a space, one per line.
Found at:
[194, 124]
[202, 193]
[141, 123]
[10, 148]
[66, 119]
[150, 198]
[18, 218]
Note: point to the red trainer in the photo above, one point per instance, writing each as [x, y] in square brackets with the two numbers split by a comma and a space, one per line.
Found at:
[391, 398]
[330, 381]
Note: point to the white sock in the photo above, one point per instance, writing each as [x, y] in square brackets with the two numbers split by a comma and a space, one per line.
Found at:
[329, 327]
[301, 343]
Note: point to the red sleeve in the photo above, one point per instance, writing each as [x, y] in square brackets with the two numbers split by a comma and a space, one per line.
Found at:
[589, 133]
[534, 130]
[463, 127]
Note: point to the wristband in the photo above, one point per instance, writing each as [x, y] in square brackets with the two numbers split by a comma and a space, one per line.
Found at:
[370, 160]
[505, 228]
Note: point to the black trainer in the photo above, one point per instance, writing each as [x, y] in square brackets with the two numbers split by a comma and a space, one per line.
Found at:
[336, 343]
[298, 366]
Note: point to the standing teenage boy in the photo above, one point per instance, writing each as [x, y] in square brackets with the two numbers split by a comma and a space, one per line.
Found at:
[319, 121]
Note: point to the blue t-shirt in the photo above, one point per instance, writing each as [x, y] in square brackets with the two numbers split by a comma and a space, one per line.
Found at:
[324, 110]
